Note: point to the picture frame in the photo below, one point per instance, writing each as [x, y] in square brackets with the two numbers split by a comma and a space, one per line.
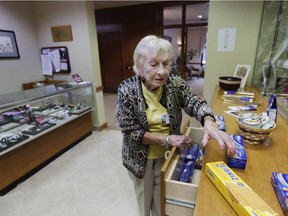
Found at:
[242, 71]
[61, 33]
[8, 45]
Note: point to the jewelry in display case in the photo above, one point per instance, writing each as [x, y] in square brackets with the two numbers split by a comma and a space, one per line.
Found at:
[26, 114]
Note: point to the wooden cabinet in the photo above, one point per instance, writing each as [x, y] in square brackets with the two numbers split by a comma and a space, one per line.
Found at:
[22, 162]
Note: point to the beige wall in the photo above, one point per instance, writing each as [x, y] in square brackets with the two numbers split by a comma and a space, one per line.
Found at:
[245, 16]
[31, 22]
[17, 17]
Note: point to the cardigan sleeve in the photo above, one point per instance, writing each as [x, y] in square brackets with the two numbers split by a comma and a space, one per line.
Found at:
[193, 104]
[130, 119]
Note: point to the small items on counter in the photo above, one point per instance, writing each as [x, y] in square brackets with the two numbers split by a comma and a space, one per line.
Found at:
[237, 193]
[255, 128]
[271, 109]
[256, 120]
[243, 108]
[240, 98]
[239, 159]
[220, 121]
[235, 92]
[279, 182]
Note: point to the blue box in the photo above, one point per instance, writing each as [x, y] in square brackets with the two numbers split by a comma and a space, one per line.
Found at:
[187, 172]
[279, 182]
[192, 154]
[239, 159]
[220, 121]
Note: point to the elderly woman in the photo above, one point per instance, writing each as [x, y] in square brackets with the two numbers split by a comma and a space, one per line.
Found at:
[149, 111]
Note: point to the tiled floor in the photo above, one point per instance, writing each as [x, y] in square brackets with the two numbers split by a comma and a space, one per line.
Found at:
[87, 180]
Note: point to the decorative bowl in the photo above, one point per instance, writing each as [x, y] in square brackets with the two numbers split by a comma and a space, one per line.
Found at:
[229, 83]
[252, 135]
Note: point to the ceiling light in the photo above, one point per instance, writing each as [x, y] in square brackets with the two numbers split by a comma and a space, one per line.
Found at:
[199, 16]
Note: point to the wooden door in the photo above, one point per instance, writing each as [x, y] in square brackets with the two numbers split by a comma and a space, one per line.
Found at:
[111, 59]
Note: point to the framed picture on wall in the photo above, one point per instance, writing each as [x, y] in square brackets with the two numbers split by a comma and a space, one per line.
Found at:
[242, 71]
[8, 45]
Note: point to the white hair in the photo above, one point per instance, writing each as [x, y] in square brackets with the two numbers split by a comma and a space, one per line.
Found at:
[151, 46]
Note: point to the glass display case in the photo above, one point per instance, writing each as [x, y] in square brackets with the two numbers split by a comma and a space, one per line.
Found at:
[29, 114]
[271, 66]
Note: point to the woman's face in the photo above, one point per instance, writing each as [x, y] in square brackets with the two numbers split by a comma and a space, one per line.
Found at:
[155, 72]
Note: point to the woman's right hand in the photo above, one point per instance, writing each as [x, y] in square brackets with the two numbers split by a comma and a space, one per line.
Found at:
[180, 141]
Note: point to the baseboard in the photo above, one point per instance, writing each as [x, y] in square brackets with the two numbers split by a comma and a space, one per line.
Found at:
[101, 127]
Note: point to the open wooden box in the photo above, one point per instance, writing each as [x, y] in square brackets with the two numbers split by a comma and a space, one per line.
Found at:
[179, 198]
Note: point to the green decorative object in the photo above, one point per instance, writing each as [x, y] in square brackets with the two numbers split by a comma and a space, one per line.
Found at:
[192, 53]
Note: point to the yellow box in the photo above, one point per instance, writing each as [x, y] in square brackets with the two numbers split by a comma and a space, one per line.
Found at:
[237, 193]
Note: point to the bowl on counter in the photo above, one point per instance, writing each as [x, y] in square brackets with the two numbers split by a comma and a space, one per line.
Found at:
[229, 82]
[254, 135]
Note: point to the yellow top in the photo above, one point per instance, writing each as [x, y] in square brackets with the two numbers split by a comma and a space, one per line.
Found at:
[157, 119]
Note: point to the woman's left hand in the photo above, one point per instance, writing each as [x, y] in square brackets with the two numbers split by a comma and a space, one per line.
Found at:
[211, 130]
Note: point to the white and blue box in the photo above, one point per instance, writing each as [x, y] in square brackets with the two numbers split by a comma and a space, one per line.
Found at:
[220, 121]
[279, 182]
[239, 159]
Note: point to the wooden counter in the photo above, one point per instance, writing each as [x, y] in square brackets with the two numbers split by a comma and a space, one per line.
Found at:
[22, 162]
[262, 160]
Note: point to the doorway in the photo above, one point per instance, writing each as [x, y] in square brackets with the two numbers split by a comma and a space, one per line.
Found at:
[111, 59]
[185, 25]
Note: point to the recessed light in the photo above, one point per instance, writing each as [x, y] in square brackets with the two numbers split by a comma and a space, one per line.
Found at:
[199, 16]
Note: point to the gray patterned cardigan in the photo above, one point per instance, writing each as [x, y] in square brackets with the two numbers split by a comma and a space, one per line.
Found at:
[131, 115]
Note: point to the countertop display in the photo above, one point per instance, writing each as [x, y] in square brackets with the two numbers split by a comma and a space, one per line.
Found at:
[262, 160]
[23, 115]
